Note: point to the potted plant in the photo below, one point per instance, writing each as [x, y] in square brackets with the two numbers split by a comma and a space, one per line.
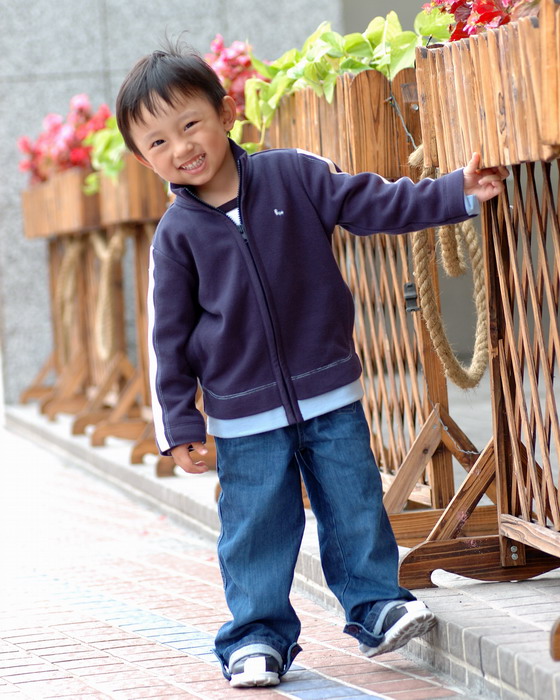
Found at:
[57, 162]
[484, 90]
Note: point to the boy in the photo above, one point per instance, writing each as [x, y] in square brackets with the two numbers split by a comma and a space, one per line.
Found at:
[246, 299]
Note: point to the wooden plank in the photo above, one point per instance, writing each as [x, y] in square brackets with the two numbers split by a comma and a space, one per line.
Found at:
[532, 534]
[549, 22]
[414, 464]
[462, 68]
[508, 123]
[457, 156]
[487, 80]
[425, 108]
[443, 133]
[412, 527]
[527, 36]
[466, 498]
[474, 557]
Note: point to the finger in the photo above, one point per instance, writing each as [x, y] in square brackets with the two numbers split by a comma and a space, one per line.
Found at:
[199, 447]
[473, 164]
[490, 178]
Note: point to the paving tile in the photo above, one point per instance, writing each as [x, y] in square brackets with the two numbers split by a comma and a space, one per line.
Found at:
[135, 615]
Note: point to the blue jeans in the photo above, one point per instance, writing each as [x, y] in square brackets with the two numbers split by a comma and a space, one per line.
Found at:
[263, 518]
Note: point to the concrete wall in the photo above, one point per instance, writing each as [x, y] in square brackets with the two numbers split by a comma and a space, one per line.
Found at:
[52, 51]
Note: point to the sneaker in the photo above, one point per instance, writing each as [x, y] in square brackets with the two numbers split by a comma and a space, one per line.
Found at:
[255, 670]
[402, 623]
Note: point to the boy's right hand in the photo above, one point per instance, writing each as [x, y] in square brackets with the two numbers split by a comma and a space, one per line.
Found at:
[182, 456]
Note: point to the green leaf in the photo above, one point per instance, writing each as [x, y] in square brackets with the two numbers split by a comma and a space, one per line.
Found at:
[91, 184]
[251, 146]
[253, 86]
[321, 29]
[353, 65]
[434, 24]
[287, 60]
[392, 26]
[236, 132]
[356, 44]
[329, 85]
[403, 52]
[267, 70]
[374, 31]
[336, 43]
[282, 87]
[312, 74]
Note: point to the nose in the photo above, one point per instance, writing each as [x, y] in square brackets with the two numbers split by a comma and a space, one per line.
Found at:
[181, 148]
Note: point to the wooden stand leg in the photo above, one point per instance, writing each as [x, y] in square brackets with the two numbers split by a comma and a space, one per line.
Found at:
[98, 407]
[38, 389]
[68, 395]
[165, 466]
[555, 641]
[474, 557]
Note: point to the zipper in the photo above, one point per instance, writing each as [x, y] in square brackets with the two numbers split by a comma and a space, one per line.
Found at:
[284, 388]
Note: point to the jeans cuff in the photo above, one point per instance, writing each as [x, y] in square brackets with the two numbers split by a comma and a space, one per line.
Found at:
[359, 632]
[259, 648]
[371, 631]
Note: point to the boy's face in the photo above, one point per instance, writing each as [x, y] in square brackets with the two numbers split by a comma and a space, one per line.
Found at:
[187, 144]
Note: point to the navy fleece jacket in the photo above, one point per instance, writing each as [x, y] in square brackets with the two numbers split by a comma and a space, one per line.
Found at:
[264, 319]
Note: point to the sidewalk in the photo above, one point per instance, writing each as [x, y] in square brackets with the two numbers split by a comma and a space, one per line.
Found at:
[134, 585]
[105, 597]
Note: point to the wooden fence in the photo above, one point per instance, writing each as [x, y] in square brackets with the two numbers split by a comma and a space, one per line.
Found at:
[501, 92]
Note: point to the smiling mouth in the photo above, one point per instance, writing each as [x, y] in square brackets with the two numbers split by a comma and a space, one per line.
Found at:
[193, 164]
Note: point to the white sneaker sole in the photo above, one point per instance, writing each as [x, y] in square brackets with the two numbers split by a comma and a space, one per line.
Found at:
[415, 623]
[254, 680]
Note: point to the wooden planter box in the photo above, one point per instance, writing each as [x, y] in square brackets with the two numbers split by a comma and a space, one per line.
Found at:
[361, 129]
[59, 206]
[495, 93]
[137, 195]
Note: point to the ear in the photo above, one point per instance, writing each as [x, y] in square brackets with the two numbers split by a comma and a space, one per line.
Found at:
[142, 160]
[229, 112]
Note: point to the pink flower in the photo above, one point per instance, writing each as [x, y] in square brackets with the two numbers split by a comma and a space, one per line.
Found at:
[60, 144]
[52, 122]
[80, 103]
[233, 66]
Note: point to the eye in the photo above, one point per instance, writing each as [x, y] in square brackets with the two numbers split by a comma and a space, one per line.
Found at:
[156, 143]
[189, 125]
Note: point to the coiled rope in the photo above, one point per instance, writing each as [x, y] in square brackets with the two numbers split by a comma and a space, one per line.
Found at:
[453, 240]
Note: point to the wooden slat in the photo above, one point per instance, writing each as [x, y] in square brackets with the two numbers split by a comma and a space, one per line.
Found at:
[542, 538]
[550, 62]
[466, 498]
[424, 446]
[412, 527]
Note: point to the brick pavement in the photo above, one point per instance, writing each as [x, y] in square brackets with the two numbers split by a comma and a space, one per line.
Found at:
[104, 597]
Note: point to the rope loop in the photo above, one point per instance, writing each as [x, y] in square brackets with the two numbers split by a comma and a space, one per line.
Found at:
[453, 240]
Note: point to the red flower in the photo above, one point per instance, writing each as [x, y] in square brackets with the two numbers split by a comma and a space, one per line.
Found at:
[60, 145]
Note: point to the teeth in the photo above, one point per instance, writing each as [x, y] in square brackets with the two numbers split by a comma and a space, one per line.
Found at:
[193, 165]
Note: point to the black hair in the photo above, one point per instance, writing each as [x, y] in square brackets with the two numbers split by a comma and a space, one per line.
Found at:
[164, 75]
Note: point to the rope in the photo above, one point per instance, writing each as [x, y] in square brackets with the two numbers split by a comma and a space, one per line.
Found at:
[453, 240]
[108, 253]
[65, 295]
